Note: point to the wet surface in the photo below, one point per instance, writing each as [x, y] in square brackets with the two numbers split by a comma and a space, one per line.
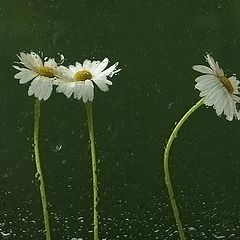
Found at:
[156, 44]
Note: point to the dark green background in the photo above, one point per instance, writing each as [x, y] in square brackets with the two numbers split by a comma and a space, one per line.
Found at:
[156, 43]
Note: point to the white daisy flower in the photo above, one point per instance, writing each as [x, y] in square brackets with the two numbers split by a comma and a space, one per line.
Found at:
[78, 79]
[41, 72]
[218, 91]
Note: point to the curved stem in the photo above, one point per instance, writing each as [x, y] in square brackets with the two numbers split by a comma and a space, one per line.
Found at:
[39, 174]
[166, 167]
[94, 169]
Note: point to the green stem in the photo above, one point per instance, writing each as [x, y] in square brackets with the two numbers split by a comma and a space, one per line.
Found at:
[94, 169]
[39, 174]
[166, 168]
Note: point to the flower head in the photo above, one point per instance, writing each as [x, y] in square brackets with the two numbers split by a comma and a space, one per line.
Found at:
[79, 79]
[218, 91]
[41, 72]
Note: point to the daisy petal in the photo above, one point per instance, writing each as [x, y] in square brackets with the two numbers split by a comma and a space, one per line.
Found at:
[88, 91]
[102, 65]
[25, 76]
[33, 86]
[203, 69]
[110, 71]
[102, 84]
[78, 91]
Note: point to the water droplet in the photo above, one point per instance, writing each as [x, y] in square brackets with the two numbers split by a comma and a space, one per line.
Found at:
[5, 234]
[37, 175]
[57, 148]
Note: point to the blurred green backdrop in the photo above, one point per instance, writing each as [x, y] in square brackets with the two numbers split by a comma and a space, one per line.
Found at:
[156, 43]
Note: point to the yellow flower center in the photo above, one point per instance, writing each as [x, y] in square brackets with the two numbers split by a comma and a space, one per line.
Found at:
[226, 83]
[82, 75]
[46, 72]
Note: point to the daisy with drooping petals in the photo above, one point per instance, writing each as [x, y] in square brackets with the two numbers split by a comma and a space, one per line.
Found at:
[41, 72]
[218, 90]
[79, 79]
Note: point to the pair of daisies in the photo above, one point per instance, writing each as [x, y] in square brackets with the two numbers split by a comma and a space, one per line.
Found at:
[77, 80]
